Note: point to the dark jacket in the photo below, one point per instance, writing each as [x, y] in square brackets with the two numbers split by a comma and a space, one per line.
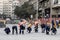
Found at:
[7, 30]
[42, 25]
[47, 28]
[22, 27]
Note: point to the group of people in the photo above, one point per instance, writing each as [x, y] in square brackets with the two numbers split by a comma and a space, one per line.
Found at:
[50, 27]
[45, 27]
[22, 26]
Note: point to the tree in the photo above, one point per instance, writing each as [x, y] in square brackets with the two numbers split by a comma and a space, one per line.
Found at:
[25, 10]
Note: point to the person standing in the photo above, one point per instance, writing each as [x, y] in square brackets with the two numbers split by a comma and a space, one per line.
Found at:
[43, 27]
[47, 27]
[14, 28]
[36, 26]
[21, 27]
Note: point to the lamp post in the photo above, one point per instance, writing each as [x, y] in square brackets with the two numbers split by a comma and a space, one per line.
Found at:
[31, 16]
[37, 10]
[50, 10]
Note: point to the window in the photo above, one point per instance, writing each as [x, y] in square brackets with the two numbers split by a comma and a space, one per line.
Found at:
[53, 16]
[55, 1]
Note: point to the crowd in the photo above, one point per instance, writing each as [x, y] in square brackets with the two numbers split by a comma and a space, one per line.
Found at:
[46, 26]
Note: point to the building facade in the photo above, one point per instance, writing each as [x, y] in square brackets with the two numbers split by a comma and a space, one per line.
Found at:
[7, 8]
[56, 8]
[22, 1]
[44, 8]
[49, 8]
[14, 4]
[1, 7]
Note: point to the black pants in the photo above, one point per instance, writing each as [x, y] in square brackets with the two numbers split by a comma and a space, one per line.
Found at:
[29, 29]
[7, 32]
[54, 30]
[14, 28]
[22, 28]
[36, 29]
[21, 31]
[47, 30]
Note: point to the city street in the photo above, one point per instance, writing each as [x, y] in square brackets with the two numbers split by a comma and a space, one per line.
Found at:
[40, 15]
[31, 36]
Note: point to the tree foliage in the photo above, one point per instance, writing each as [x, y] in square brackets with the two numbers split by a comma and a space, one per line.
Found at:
[25, 10]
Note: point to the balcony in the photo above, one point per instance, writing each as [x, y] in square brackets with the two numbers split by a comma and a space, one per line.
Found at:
[56, 6]
[45, 4]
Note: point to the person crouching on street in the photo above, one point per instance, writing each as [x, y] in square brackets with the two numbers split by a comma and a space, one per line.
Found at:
[29, 29]
[7, 30]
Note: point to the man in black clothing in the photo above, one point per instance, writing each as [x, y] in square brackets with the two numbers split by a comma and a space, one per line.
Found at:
[14, 28]
[36, 28]
[7, 30]
[43, 28]
[22, 28]
[47, 29]
[29, 29]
